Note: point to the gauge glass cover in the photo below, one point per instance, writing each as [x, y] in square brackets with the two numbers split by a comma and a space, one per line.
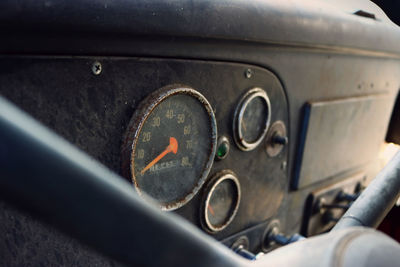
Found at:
[173, 146]
[252, 119]
[222, 202]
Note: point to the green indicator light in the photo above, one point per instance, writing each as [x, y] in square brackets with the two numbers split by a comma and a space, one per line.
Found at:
[223, 148]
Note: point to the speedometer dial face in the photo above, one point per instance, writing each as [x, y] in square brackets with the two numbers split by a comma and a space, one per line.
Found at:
[173, 146]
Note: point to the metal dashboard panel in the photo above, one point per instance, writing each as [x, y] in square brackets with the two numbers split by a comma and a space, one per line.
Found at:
[93, 112]
[335, 134]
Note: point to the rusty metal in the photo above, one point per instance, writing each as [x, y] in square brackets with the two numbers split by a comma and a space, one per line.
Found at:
[277, 129]
[134, 128]
[209, 189]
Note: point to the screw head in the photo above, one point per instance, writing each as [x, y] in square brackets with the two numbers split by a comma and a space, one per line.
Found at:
[248, 73]
[96, 68]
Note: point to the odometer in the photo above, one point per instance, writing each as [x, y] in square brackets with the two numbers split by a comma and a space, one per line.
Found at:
[170, 145]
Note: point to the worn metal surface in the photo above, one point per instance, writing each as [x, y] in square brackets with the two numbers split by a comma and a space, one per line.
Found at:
[277, 129]
[142, 112]
[80, 196]
[338, 135]
[93, 112]
[319, 52]
[75, 170]
[316, 24]
[306, 45]
[313, 219]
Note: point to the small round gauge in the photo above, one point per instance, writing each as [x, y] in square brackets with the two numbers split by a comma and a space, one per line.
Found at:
[221, 202]
[170, 145]
[252, 119]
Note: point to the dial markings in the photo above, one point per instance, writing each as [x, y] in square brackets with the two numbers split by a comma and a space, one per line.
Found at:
[172, 147]
[184, 115]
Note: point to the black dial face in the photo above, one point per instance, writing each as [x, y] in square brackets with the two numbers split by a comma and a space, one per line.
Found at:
[222, 202]
[252, 118]
[174, 149]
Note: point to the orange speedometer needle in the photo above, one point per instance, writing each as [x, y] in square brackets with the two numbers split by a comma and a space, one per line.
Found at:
[172, 147]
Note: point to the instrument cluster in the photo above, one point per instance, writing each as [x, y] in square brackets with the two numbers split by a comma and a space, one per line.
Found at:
[170, 146]
[205, 140]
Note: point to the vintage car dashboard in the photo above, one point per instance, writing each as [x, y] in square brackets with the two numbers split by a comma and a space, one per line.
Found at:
[241, 117]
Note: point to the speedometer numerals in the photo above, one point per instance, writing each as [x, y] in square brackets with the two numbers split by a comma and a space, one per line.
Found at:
[166, 162]
[169, 114]
[156, 121]
[186, 130]
[181, 118]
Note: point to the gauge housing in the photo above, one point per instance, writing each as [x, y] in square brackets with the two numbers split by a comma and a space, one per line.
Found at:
[134, 138]
[211, 188]
[239, 119]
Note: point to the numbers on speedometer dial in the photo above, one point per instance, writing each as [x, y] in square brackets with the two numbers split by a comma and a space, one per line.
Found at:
[173, 145]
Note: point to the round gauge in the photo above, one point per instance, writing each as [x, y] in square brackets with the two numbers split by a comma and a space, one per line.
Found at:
[170, 145]
[221, 202]
[252, 118]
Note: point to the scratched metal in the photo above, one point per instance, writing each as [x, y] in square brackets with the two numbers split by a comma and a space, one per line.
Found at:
[93, 113]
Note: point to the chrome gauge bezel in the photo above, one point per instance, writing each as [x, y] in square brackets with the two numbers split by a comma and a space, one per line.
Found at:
[210, 188]
[139, 118]
[238, 118]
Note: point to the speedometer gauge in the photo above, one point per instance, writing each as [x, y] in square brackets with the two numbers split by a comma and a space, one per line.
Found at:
[170, 145]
